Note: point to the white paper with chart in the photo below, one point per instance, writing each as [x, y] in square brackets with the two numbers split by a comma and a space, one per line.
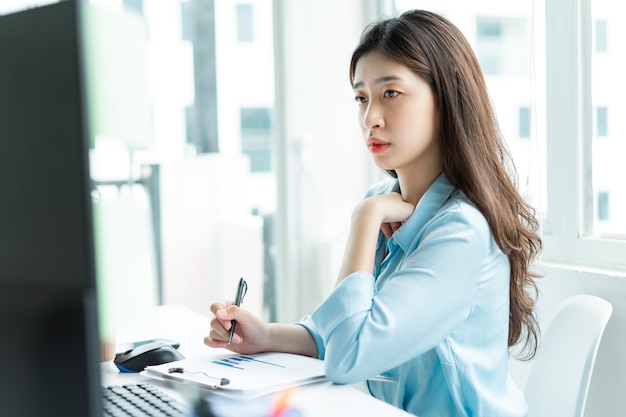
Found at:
[250, 375]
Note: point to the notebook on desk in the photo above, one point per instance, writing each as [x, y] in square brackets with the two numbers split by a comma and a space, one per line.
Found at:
[243, 375]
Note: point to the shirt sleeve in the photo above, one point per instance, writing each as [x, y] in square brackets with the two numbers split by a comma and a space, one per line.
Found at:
[335, 305]
[361, 331]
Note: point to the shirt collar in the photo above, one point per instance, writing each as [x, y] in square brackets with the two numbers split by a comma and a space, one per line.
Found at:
[426, 208]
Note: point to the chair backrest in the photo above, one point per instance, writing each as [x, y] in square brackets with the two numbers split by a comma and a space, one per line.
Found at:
[559, 377]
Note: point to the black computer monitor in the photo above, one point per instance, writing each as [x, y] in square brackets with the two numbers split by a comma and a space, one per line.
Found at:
[49, 345]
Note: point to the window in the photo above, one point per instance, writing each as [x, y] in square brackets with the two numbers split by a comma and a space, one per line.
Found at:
[578, 228]
[245, 23]
[501, 42]
[606, 84]
[185, 20]
[489, 34]
[603, 206]
[524, 122]
[134, 5]
[193, 201]
[488, 28]
[601, 39]
[256, 136]
[602, 121]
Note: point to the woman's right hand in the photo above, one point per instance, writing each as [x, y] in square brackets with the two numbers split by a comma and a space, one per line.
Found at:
[254, 336]
[251, 334]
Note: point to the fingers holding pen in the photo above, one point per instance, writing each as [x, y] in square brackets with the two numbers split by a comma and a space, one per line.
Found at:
[224, 313]
[251, 335]
[222, 305]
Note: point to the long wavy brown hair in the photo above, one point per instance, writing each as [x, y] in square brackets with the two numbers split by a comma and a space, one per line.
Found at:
[475, 156]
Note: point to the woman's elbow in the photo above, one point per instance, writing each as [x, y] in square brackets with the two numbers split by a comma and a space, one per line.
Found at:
[342, 378]
[347, 371]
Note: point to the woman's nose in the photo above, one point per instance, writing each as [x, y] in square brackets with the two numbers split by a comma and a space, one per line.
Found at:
[373, 117]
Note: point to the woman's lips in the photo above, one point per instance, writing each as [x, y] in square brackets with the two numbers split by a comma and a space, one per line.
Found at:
[377, 146]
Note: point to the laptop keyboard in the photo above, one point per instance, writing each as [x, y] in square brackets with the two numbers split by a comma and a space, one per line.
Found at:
[139, 400]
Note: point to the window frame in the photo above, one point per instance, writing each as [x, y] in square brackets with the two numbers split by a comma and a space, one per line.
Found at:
[570, 199]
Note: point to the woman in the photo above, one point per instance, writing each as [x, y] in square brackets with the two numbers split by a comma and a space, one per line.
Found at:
[433, 288]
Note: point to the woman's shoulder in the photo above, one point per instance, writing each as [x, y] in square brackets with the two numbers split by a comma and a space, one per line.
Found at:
[458, 208]
[460, 202]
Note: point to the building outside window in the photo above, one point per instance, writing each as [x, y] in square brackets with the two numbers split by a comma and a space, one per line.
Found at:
[524, 122]
[606, 85]
[245, 23]
[256, 137]
[602, 121]
[601, 36]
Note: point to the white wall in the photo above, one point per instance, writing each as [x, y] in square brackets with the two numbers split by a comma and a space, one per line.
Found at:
[607, 393]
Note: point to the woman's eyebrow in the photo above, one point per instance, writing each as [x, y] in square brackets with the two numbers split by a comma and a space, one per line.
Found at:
[379, 80]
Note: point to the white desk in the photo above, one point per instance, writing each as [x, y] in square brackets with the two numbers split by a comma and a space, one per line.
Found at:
[189, 328]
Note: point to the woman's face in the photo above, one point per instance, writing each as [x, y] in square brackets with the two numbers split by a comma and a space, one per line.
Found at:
[398, 114]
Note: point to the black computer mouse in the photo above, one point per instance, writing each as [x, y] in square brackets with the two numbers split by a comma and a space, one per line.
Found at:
[154, 353]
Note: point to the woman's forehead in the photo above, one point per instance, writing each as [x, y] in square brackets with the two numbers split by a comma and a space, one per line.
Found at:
[375, 68]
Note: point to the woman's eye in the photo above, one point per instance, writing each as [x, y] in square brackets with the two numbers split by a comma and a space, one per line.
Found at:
[360, 99]
[391, 93]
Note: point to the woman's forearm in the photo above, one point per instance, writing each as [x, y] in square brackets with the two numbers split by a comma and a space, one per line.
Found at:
[291, 338]
[361, 244]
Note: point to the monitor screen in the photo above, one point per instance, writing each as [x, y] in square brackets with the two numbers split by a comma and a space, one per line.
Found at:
[48, 314]
[44, 214]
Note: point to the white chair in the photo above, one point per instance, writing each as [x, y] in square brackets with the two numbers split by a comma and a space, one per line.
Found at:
[560, 374]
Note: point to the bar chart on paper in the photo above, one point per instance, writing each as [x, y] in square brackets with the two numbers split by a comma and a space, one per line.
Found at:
[248, 375]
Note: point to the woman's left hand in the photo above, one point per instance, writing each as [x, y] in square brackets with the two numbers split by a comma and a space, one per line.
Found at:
[381, 212]
[394, 212]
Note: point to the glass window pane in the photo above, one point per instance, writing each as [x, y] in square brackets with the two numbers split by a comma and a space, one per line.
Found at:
[600, 35]
[602, 121]
[202, 185]
[608, 87]
[134, 5]
[603, 206]
[524, 122]
[185, 20]
[245, 23]
[256, 137]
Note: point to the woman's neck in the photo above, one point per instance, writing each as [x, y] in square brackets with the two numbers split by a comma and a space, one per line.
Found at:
[413, 186]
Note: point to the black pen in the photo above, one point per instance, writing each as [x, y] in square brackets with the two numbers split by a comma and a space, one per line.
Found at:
[242, 288]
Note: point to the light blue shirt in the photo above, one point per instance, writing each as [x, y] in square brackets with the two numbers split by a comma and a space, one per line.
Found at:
[434, 316]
